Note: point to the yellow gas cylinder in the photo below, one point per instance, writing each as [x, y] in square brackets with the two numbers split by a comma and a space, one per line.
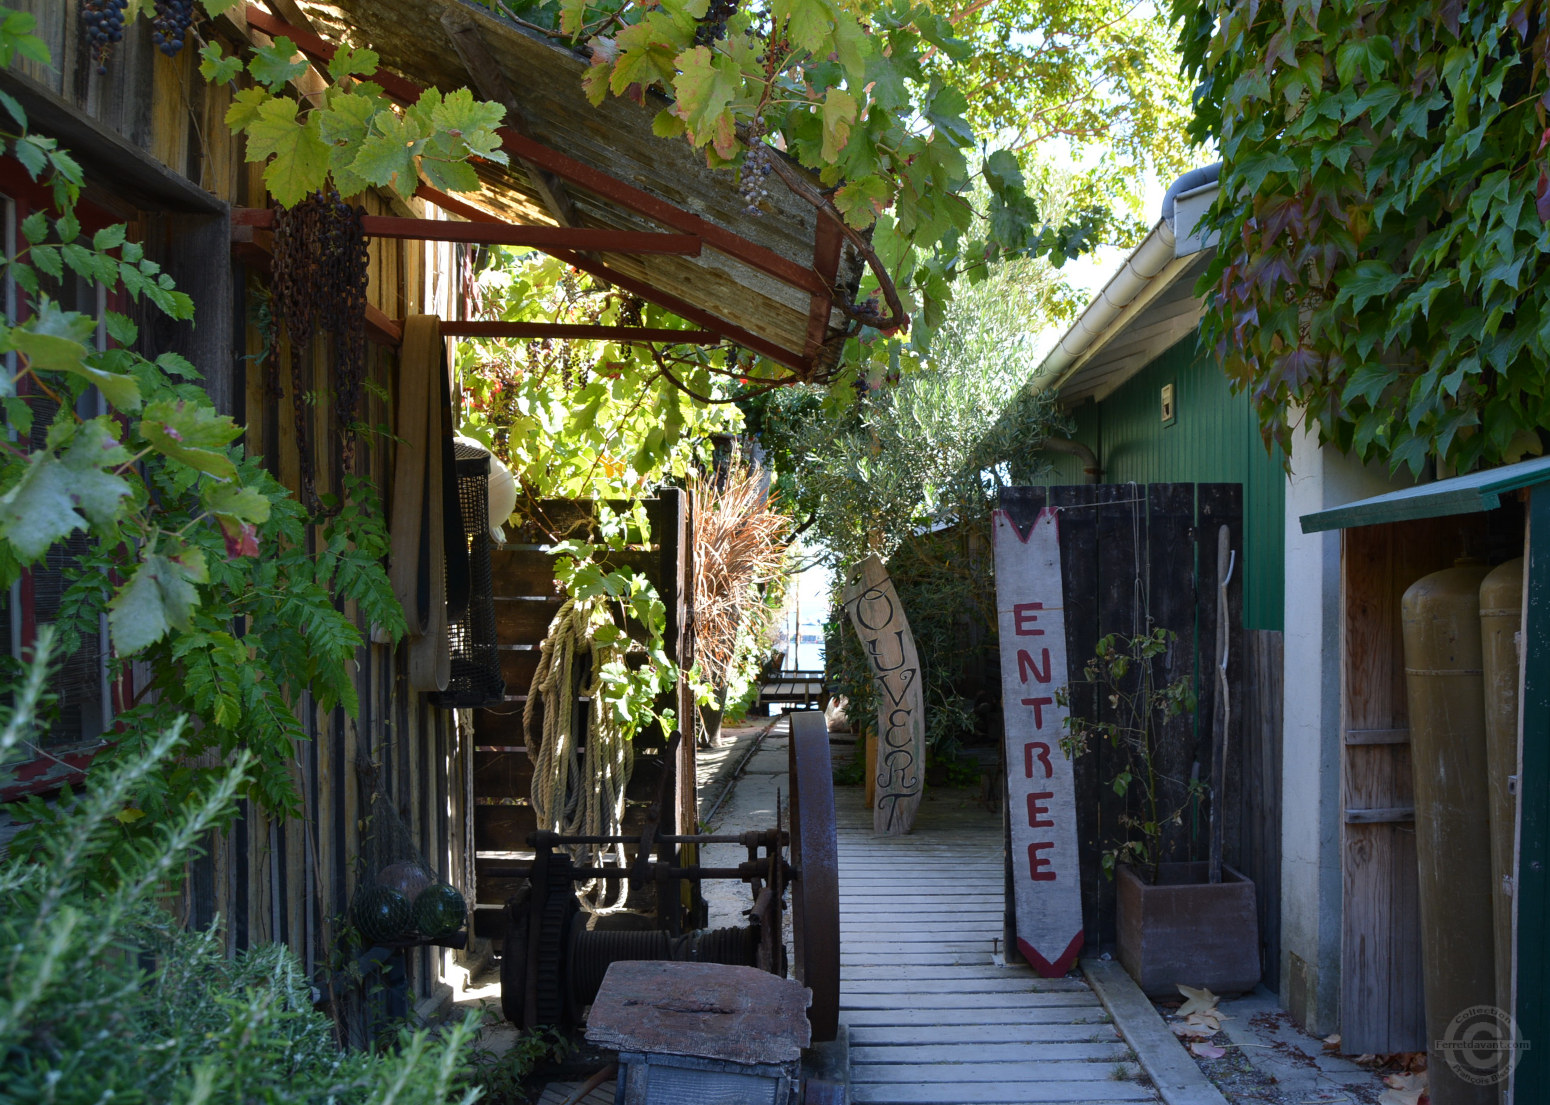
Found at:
[1501, 618]
[1444, 685]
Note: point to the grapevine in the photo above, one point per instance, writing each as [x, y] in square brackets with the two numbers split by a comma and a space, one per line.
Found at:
[753, 183]
[712, 28]
[104, 23]
[169, 26]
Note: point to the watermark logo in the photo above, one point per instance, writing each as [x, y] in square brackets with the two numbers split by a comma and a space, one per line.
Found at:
[1482, 1045]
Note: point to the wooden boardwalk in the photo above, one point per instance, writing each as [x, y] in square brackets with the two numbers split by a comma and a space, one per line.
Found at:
[934, 1017]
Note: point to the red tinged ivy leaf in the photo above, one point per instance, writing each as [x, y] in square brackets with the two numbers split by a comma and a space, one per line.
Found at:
[1542, 197]
[241, 538]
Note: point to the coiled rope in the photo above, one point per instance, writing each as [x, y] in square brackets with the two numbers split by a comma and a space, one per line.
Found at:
[579, 791]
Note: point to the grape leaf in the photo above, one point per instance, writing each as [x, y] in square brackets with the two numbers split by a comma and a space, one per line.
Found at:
[272, 67]
[810, 23]
[350, 62]
[706, 86]
[300, 164]
[839, 112]
[646, 53]
[215, 66]
[160, 597]
[192, 433]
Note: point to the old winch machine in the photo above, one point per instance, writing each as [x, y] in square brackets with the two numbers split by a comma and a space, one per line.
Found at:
[553, 963]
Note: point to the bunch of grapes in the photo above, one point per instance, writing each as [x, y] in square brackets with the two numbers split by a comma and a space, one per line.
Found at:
[104, 23]
[712, 28]
[169, 26]
[753, 184]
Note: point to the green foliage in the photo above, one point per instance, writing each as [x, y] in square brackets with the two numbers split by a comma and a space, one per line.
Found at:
[350, 136]
[932, 126]
[1123, 671]
[1383, 218]
[103, 996]
[936, 448]
[196, 555]
[584, 420]
[912, 472]
[623, 598]
[504, 1075]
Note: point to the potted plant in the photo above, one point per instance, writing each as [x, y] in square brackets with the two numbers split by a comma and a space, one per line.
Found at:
[1174, 924]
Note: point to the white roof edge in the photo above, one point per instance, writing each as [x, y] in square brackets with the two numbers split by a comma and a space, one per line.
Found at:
[1091, 328]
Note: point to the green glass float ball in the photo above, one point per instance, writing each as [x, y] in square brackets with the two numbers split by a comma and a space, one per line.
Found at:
[439, 911]
[381, 914]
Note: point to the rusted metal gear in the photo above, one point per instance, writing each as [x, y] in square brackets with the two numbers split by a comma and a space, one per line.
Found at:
[815, 886]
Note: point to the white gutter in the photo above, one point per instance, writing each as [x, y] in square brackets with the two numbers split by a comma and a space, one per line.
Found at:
[1147, 260]
[1156, 251]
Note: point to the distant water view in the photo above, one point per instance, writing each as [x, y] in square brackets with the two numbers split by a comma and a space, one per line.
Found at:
[807, 654]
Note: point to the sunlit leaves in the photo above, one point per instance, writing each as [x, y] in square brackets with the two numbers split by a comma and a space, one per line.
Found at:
[294, 147]
[1383, 259]
[351, 135]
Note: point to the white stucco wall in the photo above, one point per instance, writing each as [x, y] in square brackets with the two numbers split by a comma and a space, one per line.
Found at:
[1310, 822]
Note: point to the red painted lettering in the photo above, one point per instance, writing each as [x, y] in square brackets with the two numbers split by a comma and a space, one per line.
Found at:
[1039, 866]
[1026, 666]
[1042, 755]
[1038, 812]
[1038, 705]
[1023, 617]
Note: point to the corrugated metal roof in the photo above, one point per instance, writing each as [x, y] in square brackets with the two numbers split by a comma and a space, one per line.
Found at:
[1457, 495]
[615, 139]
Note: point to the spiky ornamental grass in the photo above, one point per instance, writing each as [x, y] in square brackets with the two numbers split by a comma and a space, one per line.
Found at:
[740, 545]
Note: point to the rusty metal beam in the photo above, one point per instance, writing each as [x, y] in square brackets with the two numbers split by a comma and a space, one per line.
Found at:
[501, 233]
[687, 311]
[644, 203]
[826, 262]
[492, 329]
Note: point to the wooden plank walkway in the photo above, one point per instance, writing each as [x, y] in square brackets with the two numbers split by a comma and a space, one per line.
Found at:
[933, 1016]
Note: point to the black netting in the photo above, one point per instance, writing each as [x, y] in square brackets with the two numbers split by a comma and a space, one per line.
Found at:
[476, 662]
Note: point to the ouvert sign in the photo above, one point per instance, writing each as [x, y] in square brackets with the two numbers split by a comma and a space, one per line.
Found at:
[1041, 788]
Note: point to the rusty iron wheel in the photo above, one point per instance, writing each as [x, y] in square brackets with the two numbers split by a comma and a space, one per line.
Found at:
[815, 885]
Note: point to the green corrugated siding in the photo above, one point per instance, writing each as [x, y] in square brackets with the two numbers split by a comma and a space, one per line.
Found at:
[1213, 439]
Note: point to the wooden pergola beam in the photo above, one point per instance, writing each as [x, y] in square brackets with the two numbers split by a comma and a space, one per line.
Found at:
[491, 84]
[476, 328]
[501, 233]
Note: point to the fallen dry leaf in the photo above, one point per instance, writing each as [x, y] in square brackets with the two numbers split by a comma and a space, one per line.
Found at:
[1406, 1082]
[1210, 1018]
[1200, 1001]
[1332, 1043]
[1208, 1051]
[1401, 1097]
[1192, 1031]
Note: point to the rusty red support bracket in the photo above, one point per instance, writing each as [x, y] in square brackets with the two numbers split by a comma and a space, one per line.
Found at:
[492, 329]
[644, 203]
[501, 233]
[826, 262]
[687, 311]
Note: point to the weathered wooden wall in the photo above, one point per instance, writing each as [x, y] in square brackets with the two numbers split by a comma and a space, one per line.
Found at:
[1134, 557]
[1254, 773]
[151, 135]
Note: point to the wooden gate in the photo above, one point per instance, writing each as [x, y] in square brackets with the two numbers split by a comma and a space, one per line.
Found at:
[1135, 557]
[526, 601]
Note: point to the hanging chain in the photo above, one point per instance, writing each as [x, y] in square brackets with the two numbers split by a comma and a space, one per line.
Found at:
[321, 266]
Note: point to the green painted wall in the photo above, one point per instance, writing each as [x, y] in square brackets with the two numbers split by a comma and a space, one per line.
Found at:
[1213, 438]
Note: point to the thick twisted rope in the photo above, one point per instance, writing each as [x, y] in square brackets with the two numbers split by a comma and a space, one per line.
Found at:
[579, 791]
